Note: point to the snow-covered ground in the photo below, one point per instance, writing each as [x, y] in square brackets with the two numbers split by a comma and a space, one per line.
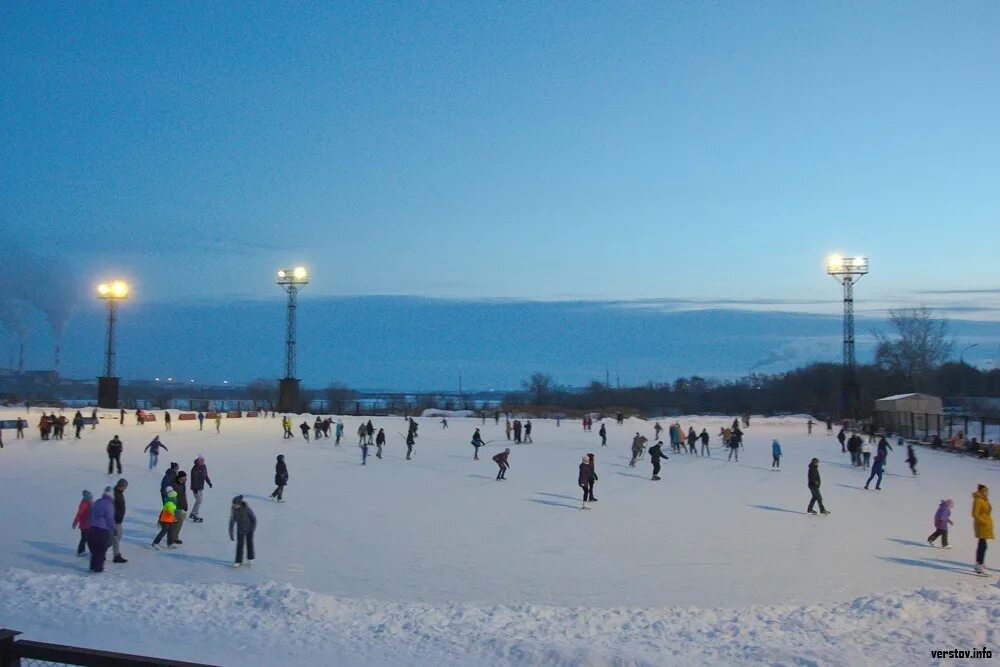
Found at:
[432, 561]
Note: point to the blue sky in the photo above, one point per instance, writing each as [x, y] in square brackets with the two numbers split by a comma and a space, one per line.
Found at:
[676, 156]
[542, 151]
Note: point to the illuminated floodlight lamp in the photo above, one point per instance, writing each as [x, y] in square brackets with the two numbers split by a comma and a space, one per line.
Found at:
[297, 276]
[839, 266]
[117, 289]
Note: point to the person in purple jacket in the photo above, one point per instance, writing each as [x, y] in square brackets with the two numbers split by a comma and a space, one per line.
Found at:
[102, 525]
[942, 518]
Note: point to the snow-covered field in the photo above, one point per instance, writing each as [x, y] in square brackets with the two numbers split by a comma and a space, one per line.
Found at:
[432, 561]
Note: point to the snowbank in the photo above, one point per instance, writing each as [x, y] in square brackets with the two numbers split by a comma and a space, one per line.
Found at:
[265, 624]
[448, 413]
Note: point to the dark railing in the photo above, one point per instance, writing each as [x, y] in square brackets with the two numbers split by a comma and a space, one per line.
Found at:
[25, 653]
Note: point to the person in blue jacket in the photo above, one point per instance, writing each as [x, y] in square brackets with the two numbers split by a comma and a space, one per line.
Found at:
[775, 455]
[102, 525]
[877, 468]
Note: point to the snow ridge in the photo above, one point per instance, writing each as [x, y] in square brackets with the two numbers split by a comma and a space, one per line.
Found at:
[257, 623]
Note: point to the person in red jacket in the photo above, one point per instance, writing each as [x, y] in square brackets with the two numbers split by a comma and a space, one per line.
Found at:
[82, 520]
[501, 460]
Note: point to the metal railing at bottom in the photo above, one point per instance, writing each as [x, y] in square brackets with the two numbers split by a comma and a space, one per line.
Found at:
[25, 653]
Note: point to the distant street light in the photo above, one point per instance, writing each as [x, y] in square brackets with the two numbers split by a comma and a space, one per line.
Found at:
[961, 355]
[847, 271]
[107, 386]
[288, 387]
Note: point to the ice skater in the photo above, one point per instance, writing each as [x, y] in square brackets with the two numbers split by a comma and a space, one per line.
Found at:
[501, 460]
[280, 479]
[166, 520]
[593, 477]
[982, 524]
[638, 444]
[82, 521]
[114, 454]
[477, 442]
[583, 480]
[102, 525]
[775, 455]
[379, 443]
[734, 447]
[244, 520]
[705, 451]
[603, 432]
[199, 478]
[813, 482]
[655, 454]
[304, 427]
[942, 519]
[911, 459]
[409, 443]
[154, 448]
[878, 468]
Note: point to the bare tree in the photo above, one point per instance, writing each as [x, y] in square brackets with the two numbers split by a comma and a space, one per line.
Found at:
[919, 344]
[539, 385]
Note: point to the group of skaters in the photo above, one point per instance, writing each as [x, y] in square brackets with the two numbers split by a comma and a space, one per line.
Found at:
[859, 445]
[521, 432]
[100, 521]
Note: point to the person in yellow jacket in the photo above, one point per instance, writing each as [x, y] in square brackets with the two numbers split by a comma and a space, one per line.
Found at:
[167, 518]
[982, 524]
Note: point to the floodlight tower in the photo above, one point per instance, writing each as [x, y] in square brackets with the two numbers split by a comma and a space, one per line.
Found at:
[847, 271]
[107, 386]
[288, 387]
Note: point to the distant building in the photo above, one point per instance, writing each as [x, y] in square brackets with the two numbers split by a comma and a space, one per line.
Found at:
[909, 413]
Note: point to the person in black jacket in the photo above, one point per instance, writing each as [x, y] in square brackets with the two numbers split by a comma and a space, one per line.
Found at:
[409, 443]
[583, 479]
[180, 486]
[655, 454]
[842, 438]
[280, 478]
[603, 432]
[379, 443]
[501, 460]
[168, 480]
[813, 482]
[589, 491]
[114, 454]
[116, 537]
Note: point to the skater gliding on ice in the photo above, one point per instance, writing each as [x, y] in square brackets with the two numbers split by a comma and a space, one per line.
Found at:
[154, 448]
[775, 455]
[281, 478]
[942, 519]
[501, 460]
[655, 454]
[477, 442]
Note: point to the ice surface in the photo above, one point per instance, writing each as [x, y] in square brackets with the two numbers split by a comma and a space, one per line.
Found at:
[432, 561]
